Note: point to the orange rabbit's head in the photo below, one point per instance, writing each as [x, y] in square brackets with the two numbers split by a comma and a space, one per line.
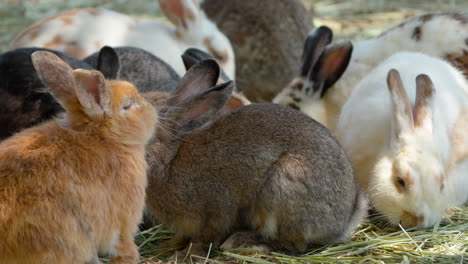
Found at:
[113, 108]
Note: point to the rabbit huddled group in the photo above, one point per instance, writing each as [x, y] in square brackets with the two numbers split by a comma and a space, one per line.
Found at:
[137, 118]
[398, 104]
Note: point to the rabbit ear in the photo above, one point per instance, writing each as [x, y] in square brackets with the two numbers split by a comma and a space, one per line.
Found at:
[314, 46]
[91, 91]
[180, 12]
[192, 56]
[402, 117]
[424, 102]
[331, 66]
[108, 62]
[55, 74]
[198, 78]
[236, 100]
[198, 109]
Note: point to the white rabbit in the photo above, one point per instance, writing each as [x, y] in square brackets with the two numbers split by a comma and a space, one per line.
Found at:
[442, 35]
[81, 32]
[411, 159]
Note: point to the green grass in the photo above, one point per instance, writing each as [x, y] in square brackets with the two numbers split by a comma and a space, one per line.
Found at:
[442, 244]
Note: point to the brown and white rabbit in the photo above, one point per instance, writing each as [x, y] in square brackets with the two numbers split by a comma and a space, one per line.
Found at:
[74, 187]
[442, 35]
[322, 65]
[264, 167]
[267, 39]
[81, 32]
[409, 143]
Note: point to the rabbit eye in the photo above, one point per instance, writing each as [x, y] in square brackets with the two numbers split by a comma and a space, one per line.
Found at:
[401, 182]
[127, 105]
[221, 58]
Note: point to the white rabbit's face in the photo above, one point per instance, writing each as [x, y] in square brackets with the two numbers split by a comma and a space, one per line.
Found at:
[203, 34]
[410, 185]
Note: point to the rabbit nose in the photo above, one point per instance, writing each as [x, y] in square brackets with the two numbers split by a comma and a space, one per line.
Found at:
[409, 219]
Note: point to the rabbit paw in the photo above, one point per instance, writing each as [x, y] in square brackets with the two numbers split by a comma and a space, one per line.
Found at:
[246, 240]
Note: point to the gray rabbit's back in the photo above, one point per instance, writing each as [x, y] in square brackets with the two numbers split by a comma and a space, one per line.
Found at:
[146, 71]
[272, 167]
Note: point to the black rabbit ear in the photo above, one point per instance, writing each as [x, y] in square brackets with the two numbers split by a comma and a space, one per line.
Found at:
[199, 78]
[108, 62]
[192, 56]
[314, 46]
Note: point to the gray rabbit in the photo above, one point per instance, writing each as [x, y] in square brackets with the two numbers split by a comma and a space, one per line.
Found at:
[263, 167]
[146, 71]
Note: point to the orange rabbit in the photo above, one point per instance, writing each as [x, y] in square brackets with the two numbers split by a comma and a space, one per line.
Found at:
[74, 187]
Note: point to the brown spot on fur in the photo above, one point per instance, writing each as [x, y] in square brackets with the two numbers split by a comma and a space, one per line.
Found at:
[57, 40]
[34, 35]
[296, 99]
[408, 219]
[460, 17]
[416, 33]
[398, 177]
[220, 56]
[427, 17]
[36, 27]
[66, 20]
[75, 50]
[297, 86]
[293, 106]
[459, 61]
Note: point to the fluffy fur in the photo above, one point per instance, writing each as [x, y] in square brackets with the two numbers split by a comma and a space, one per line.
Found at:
[441, 35]
[74, 187]
[24, 98]
[64, 32]
[144, 70]
[409, 157]
[263, 167]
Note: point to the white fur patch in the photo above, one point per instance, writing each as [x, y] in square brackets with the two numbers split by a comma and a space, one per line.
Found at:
[271, 226]
[113, 243]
